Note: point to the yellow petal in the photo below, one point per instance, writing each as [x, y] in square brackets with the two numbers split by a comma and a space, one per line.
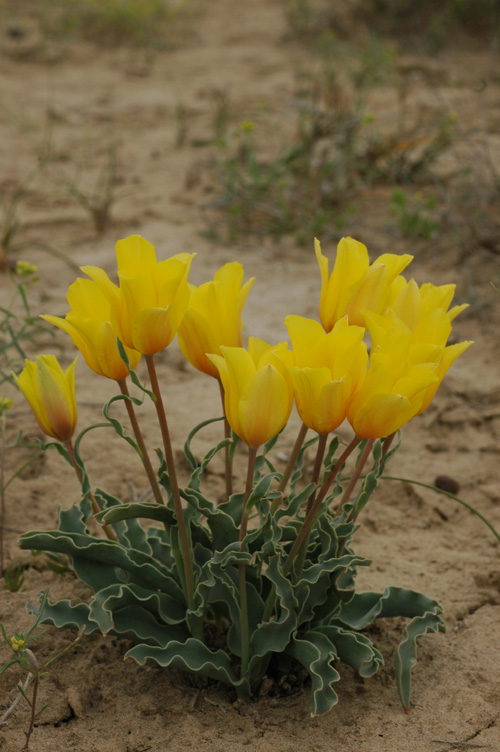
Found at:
[265, 406]
[135, 256]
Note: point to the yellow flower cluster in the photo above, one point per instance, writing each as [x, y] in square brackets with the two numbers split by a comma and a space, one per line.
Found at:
[328, 370]
[16, 643]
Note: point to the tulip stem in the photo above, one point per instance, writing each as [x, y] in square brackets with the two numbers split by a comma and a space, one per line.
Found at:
[245, 637]
[355, 476]
[2, 491]
[110, 533]
[227, 456]
[143, 452]
[169, 458]
[290, 466]
[311, 515]
[318, 463]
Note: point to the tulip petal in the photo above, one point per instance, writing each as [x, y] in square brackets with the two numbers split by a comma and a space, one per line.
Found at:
[264, 407]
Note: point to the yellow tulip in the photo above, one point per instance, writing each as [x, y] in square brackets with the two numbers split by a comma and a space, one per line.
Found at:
[424, 315]
[89, 326]
[150, 303]
[258, 390]
[328, 367]
[51, 394]
[354, 285]
[213, 317]
[394, 389]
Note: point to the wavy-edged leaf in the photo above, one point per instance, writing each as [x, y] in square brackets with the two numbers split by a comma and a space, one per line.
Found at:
[315, 653]
[137, 510]
[63, 614]
[142, 568]
[354, 649]
[406, 653]
[191, 655]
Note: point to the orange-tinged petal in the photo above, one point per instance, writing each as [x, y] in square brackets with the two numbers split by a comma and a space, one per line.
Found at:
[51, 394]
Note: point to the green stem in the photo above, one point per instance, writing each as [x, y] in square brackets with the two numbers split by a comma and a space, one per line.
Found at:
[451, 496]
[245, 637]
[355, 477]
[311, 515]
[169, 458]
[2, 491]
[108, 530]
[318, 463]
[227, 456]
[148, 467]
[290, 466]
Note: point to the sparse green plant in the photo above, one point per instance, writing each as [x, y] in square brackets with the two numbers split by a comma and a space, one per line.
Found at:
[23, 656]
[415, 215]
[141, 23]
[99, 199]
[18, 328]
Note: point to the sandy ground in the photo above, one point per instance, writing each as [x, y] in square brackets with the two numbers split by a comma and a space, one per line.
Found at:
[94, 97]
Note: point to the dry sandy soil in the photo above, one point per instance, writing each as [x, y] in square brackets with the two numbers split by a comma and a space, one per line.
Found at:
[97, 95]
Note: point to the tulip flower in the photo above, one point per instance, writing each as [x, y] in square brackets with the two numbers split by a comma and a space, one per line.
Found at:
[394, 389]
[50, 392]
[150, 303]
[213, 317]
[328, 368]
[354, 285]
[424, 313]
[89, 326]
[258, 390]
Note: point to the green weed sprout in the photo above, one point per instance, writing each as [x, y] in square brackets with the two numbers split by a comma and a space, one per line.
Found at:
[23, 656]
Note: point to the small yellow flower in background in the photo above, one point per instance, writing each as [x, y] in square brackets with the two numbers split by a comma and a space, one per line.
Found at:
[150, 303]
[50, 392]
[354, 285]
[328, 368]
[16, 643]
[258, 390]
[213, 317]
[89, 326]
[5, 404]
[25, 269]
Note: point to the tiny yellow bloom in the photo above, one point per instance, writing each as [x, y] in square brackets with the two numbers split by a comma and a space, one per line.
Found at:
[50, 392]
[25, 269]
[150, 303]
[354, 285]
[258, 390]
[5, 404]
[213, 317]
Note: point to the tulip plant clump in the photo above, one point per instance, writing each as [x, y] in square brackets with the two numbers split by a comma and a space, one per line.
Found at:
[264, 581]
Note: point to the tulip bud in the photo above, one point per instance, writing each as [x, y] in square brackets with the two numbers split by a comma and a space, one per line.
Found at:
[50, 392]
